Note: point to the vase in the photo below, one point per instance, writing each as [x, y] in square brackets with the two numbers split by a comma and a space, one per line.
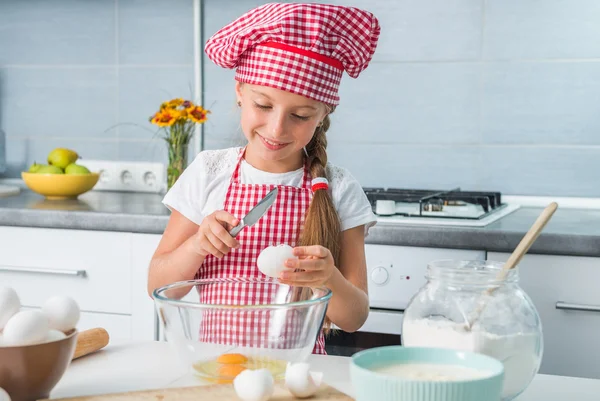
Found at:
[178, 158]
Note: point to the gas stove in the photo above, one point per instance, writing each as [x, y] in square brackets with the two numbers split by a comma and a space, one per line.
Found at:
[438, 207]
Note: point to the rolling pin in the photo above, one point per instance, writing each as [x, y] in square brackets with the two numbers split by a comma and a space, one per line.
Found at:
[89, 341]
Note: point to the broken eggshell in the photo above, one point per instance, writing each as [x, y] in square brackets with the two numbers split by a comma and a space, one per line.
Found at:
[300, 381]
[254, 385]
[271, 260]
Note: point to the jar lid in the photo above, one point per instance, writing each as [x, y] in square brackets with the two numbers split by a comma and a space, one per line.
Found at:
[471, 272]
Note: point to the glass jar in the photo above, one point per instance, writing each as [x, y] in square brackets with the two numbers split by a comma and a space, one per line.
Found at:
[504, 323]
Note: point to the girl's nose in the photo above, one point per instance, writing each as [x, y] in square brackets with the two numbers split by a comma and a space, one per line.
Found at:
[277, 125]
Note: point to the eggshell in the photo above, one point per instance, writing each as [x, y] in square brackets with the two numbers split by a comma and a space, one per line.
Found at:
[300, 381]
[9, 305]
[26, 327]
[4, 395]
[62, 312]
[254, 385]
[271, 259]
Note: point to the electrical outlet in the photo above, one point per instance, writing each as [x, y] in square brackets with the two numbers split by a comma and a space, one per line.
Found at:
[128, 176]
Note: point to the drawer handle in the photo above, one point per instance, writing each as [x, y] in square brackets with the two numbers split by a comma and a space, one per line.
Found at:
[578, 307]
[54, 272]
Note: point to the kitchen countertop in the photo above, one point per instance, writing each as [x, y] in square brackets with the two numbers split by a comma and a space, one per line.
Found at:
[570, 232]
[152, 365]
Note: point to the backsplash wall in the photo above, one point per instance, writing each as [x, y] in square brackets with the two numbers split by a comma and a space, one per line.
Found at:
[494, 95]
[87, 74]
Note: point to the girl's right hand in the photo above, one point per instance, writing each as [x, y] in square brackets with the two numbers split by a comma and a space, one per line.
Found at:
[213, 234]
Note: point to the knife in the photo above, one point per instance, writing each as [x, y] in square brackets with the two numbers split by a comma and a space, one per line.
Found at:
[256, 213]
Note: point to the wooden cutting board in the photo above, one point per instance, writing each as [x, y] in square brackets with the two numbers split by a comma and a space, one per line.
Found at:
[221, 392]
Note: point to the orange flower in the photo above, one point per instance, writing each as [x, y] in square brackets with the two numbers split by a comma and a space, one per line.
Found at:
[164, 118]
[172, 104]
[197, 114]
[178, 114]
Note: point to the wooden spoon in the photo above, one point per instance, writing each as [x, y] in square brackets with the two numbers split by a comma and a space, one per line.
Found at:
[520, 251]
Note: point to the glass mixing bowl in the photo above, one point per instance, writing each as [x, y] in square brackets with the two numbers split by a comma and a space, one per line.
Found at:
[219, 331]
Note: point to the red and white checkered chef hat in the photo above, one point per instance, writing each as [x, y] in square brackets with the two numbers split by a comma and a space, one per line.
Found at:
[299, 48]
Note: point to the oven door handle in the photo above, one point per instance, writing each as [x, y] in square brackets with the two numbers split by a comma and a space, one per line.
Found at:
[383, 322]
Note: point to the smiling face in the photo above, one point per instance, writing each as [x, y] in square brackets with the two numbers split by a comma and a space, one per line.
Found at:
[277, 125]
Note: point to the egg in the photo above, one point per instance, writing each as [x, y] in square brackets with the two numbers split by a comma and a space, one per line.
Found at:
[54, 335]
[300, 381]
[4, 395]
[26, 327]
[9, 305]
[271, 260]
[62, 312]
[254, 385]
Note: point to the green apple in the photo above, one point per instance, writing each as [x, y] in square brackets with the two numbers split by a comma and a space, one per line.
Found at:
[49, 170]
[61, 157]
[35, 167]
[76, 169]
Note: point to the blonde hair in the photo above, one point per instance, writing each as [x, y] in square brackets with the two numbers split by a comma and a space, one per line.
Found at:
[322, 224]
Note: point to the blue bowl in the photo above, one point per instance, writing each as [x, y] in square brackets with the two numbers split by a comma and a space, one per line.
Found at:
[370, 385]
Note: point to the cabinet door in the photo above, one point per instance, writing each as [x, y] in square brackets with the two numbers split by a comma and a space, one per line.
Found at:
[93, 267]
[118, 327]
[566, 293]
[144, 319]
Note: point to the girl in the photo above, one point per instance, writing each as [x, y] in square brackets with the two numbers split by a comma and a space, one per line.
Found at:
[289, 60]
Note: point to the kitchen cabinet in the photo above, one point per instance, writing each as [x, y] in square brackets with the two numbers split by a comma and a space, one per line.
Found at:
[105, 272]
[565, 291]
[142, 249]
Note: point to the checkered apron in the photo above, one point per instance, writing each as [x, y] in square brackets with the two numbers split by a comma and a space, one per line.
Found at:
[280, 224]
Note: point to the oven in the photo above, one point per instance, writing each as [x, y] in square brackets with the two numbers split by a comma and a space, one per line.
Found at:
[382, 328]
[395, 274]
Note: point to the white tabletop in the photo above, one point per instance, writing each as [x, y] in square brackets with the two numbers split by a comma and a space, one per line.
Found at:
[152, 365]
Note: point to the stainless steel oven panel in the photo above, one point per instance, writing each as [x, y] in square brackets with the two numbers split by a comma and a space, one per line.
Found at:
[382, 322]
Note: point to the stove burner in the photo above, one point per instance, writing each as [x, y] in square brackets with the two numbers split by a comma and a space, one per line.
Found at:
[429, 203]
[434, 205]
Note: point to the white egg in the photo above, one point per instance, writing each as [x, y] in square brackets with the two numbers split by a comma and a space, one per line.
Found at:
[62, 312]
[54, 335]
[254, 385]
[300, 381]
[4, 395]
[26, 327]
[271, 260]
[9, 305]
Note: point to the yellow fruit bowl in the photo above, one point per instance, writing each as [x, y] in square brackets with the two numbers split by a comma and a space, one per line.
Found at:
[60, 186]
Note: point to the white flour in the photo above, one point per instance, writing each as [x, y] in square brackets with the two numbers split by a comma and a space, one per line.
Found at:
[431, 372]
[518, 352]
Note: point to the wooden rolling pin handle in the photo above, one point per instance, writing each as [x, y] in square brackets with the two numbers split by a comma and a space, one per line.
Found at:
[89, 341]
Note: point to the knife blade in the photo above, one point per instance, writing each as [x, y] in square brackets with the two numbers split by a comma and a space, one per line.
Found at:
[256, 213]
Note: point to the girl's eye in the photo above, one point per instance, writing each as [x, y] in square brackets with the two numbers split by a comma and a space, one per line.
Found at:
[262, 107]
[303, 118]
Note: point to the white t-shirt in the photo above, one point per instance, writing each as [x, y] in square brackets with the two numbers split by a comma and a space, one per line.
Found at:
[201, 188]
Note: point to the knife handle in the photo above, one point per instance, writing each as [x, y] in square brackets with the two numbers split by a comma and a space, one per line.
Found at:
[236, 230]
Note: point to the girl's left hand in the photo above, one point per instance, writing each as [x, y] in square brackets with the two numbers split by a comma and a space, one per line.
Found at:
[315, 265]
